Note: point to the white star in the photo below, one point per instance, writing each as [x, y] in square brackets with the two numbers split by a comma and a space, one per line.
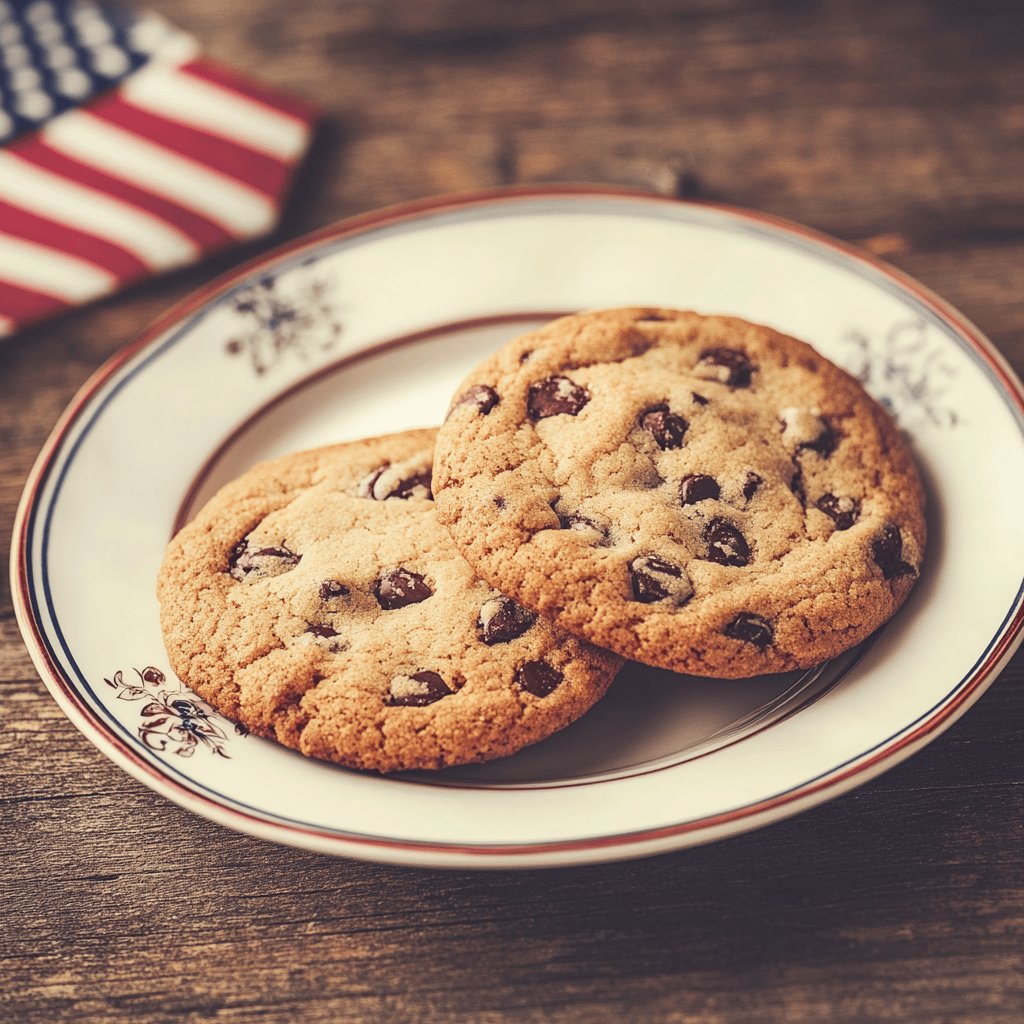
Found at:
[73, 83]
[59, 56]
[109, 61]
[34, 105]
[23, 79]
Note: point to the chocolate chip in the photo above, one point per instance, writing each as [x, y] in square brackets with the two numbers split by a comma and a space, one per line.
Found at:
[384, 482]
[842, 511]
[538, 678]
[325, 631]
[238, 553]
[555, 396]
[698, 487]
[726, 545]
[651, 318]
[416, 486]
[728, 366]
[796, 485]
[887, 551]
[699, 399]
[806, 429]
[417, 690]
[667, 428]
[368, 484]
[751, 484]
[524, 356]
[582, 523]
[280, 553]
[330, 589]
[483, 397]
[751, 628]
[499, 501]
[501, 620]
[825, 443]
[398, 588]
[260, 564]
[321, 629]
[654, 579]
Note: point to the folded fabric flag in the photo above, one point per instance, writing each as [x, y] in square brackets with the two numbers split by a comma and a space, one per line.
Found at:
[123, 153]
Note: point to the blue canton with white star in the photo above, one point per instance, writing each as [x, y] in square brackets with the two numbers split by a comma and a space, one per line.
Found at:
[59, 54]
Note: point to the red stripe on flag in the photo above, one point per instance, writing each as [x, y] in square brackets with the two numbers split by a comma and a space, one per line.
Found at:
[217, 74]
[204, 232]
[23, 304]
[256, 170]
[32, 228]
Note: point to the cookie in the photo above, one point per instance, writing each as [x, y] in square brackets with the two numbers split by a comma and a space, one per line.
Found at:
[697, 493]
[317, 600]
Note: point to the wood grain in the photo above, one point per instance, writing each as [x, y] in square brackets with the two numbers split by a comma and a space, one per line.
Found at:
[896, 124]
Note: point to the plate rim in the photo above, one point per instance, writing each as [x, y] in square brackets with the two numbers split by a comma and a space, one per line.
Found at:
[574, 851]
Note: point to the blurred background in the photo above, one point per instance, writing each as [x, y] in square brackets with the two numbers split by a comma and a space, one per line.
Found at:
[894, 123]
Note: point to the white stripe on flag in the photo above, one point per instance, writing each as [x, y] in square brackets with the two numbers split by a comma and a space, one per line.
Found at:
[181, 97]
[119, 153]
[51, 271]
[158, 244]
[6, 326]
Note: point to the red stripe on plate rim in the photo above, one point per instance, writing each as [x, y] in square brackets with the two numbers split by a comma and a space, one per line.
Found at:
[109, 744]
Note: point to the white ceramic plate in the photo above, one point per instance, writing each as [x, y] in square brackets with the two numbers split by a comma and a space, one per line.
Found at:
[366, 328]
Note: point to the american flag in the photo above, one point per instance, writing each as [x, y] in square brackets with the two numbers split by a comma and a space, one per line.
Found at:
[124, 153]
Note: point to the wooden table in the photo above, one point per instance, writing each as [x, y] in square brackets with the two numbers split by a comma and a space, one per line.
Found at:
[895, 124]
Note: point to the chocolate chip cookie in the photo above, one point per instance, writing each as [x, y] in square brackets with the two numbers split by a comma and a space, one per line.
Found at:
[698, 493]
[318, 601]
